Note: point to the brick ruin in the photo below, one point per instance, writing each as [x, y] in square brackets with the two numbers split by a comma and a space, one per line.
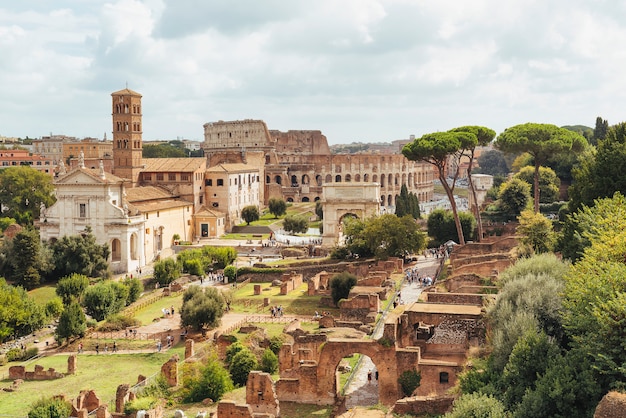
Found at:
[39, 373]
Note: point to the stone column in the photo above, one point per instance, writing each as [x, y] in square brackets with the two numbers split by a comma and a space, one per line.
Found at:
[71, 364]
[189, 349]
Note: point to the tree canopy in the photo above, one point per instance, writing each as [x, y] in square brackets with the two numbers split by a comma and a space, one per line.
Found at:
[250, 214]
[548, 183]
[22, 192]
[601, 174]
[277, 207]
[202, 308]
[80, 254]
[541, 141]
[384, 236]
[436, 149]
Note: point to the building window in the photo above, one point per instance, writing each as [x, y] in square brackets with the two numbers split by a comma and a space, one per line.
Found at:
[444, 377]
[209, 182]
[171, 177]
[159, 176]
[82, 210]
[147, 176]
[220, 182]
[184, 177]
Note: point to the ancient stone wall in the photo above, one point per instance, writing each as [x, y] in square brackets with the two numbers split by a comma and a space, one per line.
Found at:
[261, 395]
[358, 308]
[456, 298]
[437, 379]
[170, 370]
[484, 269]
[290, 282]
[19, 372]
[424, 405]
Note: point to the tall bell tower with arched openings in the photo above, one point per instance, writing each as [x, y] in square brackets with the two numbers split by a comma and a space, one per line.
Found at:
[127, 129]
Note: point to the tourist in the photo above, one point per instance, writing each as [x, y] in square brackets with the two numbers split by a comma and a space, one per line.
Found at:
[158, 345]
[115, 346]
[80, 348]
[97, 348]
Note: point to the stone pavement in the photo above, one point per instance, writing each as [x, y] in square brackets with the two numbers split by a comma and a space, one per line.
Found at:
[361, 391]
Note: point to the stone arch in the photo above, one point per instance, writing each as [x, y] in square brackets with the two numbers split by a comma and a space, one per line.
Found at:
[268, 179]
[357, 177]
[403, 178]
[382, 200]
[366, 177]
[305, 179]
[318, 180]
[317, 199]
[338, 178]
[410, 183]
[382, 181]
[384, 359]
[348, 178]
[374, 178]
[329, 178]
[305, 199]
[396, 180]
[389, 200]
[278, 179]
[116, 250]
[290, 199]
[395, 200]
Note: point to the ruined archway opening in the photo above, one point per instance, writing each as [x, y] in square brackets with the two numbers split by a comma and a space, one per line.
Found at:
[357, 380]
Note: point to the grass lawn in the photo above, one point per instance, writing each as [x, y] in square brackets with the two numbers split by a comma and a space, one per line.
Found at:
[295, 303]
[459, 191]
[155, 310]
[102, 373]
[43, 294]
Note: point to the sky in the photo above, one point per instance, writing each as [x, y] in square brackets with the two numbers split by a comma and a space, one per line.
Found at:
[357, 70]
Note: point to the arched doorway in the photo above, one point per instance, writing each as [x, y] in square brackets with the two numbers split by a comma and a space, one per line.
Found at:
[279, 180]
[116, 250]
[305, 199]
[357, 380]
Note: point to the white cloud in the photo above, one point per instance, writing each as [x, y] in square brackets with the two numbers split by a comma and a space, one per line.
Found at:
[355, 69]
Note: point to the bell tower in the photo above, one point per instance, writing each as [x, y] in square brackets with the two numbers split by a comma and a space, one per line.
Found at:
[127, 143]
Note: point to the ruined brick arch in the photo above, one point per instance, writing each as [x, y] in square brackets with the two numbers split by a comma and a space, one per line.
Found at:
[294, 181]
[384, 359]
[290, 199]
[329, 178]
[338, 178]
[317, 198]
[305, 199]
[357, 177]
[396, 180]
[389, 200]
[403, 178]
[278, 179]
[305, 179]
[366, 177]
[382, 180]
[348, 178]
[410, 183]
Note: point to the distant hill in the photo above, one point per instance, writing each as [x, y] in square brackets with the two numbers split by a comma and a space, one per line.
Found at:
[585, 131]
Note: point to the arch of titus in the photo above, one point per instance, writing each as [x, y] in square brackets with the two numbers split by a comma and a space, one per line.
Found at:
[340, 199]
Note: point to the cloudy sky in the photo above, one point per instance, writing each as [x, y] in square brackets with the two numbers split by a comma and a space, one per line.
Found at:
[358, 70]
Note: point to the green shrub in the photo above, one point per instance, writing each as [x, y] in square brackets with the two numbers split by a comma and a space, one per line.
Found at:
[241, 365]
[205, 381]
[54, 307]
[50, 408]
[15, 354]
[117, 322]
[269, 361]
[276, 342]
[409, 381]
[30, 353]
[233, 349]
[144, 403]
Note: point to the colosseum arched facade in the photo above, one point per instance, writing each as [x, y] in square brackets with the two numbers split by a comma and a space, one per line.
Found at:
[295, 164]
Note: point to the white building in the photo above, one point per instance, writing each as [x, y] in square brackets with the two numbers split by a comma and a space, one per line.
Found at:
[137, 224]
[230, 188]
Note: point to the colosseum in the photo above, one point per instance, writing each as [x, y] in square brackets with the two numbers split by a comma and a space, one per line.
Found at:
[295, 164]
